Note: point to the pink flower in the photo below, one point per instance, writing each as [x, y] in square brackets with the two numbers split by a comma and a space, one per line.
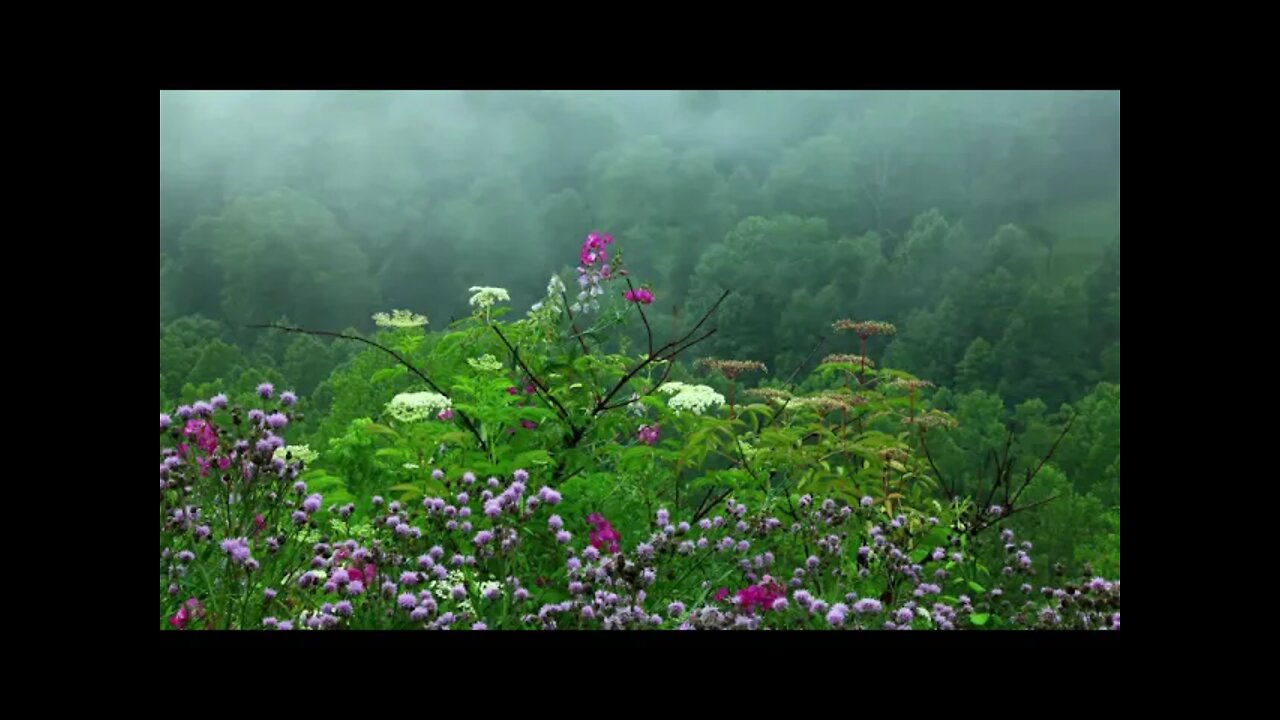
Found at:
[528, 424]
[191, 608]
[761, 596]
[259, 522]
[593, 249]
[203, 462]
[205, 436]
[603, 536]
[445, 414]
[721, 594]
[513, 390]
[648, 434]
[224, 462]
[641, 295]
[530, 389]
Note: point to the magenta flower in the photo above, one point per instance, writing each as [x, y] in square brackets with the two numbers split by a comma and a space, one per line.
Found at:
[445, 414]
[648, 434]
[762, 596]
[641, 295]
[603, 536]
[203, 433]
[191, 608]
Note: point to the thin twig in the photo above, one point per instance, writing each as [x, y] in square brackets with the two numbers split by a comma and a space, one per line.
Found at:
[466, 421]
[792, 377]
[639, 306]
[537, 383]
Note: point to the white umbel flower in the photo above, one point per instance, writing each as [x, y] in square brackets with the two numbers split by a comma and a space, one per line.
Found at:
[300, 452]
[487, 297]
[414, 407]
[694, 398]
[400, 319]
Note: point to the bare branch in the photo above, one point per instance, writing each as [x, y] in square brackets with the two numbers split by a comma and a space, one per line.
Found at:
[639, 306]
[466, 421]
[543, 392]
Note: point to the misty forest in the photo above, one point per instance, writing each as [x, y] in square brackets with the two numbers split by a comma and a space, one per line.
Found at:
[640, 360]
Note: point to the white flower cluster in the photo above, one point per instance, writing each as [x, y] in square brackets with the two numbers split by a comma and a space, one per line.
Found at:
[634, 406]
[487, 297]
[485, 362]
[300, 452]
[400, 319]
[555, 297]
[587, 300]
[694, 398]
[442, 589]
[413, 407]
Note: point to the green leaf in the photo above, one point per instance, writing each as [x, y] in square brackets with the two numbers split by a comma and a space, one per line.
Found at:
[976, 587]
[376, 429]
[979, 619]
[386, 373]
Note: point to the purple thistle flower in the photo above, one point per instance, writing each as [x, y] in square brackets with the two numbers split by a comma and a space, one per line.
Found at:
[288, 398]
[555, 522]
[265, 390]
[185, 412]
[866, 606]
[836, 617]
[563, 537]
[313, 502]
